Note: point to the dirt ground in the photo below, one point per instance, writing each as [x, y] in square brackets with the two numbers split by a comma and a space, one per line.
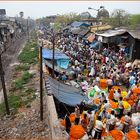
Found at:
[26, 124]
[9, 58]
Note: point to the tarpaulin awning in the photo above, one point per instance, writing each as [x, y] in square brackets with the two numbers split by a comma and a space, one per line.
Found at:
[65, 93]
[61, 59]
[48, 54]
[63, 63]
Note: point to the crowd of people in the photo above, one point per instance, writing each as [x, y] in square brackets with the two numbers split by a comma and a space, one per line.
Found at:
[89, 66]
[106, 63]
[112, 108]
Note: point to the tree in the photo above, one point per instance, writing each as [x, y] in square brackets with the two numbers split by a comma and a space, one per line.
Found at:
[57, 26]
[42, 21]
[134, 21]
[67, 18]
[119, 17]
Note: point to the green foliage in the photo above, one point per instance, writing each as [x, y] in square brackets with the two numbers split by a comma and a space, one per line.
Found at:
[20, 95]
[57, 26]
[42, 21]
[22, 67]
[29, 54]
[33, 35]
[29, 90]
[14, 103]
[18, 84]
[2, 109]
[67, 18]
[26, 77]
[119, 17]
[134, 21]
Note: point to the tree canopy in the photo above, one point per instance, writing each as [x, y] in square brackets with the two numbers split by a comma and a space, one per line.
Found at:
[134, 20]
[67, 18]
[119, 17]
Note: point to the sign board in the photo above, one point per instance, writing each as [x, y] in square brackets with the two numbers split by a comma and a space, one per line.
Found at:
[2, 12]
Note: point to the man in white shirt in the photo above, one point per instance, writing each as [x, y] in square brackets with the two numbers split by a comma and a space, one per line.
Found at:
[76, 62]
[98, 128]
[106, 105]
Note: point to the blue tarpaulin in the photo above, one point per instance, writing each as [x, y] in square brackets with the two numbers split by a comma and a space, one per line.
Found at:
[65, 93]
[79, 24]
[63, 63]
[61, 59]
[48, 54]
[94, 45]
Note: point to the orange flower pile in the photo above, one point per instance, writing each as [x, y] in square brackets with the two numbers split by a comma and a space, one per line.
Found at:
[113, 104]
[132, 99]
[132, 135]
[136, 90]
[116, 134]
[116, 88]
[76, 132]
[103, 83]
[111, 94]
[131, 102]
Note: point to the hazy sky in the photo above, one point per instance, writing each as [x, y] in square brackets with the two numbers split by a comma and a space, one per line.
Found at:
[37, 9]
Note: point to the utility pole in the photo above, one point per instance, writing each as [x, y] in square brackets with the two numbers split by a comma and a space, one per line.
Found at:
[41, 84]
[4, 88]
[53, 37]
[28, 29]
[53, 43]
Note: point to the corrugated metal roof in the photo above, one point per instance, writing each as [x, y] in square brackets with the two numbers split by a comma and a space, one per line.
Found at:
[75, 31]
[80, 31]
[83, 32]
[110, 33]
[135, 34]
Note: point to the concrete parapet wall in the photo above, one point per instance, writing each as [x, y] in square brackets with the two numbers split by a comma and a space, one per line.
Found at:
[56, 132]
